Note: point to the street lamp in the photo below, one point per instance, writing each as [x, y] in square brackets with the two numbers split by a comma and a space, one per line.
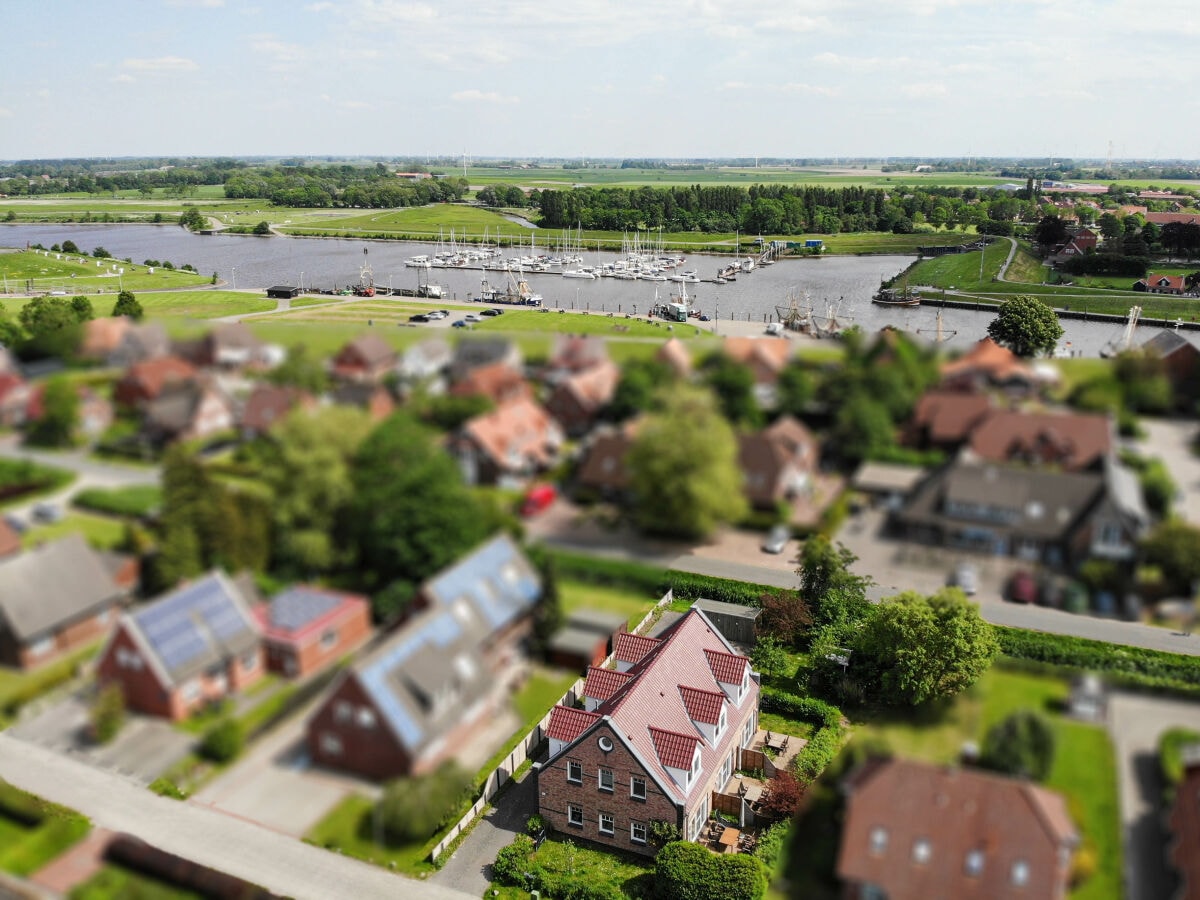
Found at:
[235, 278]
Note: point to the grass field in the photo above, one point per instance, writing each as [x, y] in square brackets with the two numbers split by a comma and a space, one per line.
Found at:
[115, 882]
[32, 270]
[607, 325]
[102, 532]
[579, 595]
[26, 847]
[961, 270]
[174, 304]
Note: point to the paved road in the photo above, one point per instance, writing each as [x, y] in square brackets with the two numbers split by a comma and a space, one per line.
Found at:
[277, 862]
[1136, 722]
[470, 866]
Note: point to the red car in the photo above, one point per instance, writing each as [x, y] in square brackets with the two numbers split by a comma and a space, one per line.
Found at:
[537, 499]
[1022, 587]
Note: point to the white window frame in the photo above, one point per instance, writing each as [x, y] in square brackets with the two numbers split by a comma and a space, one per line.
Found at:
[331, 743]
[329, 639]
[250, 661]
[365, 717]
[637, 832]
[612, 824]
[575, 815]
[600, 779]
[41, 646]
[573, 766]
[342, 711]
[635, 780]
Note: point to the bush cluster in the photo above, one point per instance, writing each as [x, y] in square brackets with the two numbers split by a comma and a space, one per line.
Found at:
[688, 871]
[825, 742]
[223, 742]
[516, 861]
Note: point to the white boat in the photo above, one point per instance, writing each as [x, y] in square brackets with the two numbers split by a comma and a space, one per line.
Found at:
[690, 276]
[747, 265]
[418, 262]
[579, 273]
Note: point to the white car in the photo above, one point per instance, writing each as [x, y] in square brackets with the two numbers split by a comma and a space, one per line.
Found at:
[436, 314]
[777, 538]
[965, 576]
[471, 317]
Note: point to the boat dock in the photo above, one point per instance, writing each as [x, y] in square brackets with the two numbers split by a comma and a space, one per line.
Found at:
[1066, 313]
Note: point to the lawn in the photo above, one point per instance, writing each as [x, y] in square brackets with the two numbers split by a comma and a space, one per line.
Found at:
[136, 500]
[102, 532]
[18, 687]
[961, 270]
[21, 480]
[581, 595]
[113, 882]
[595, 866]
[34, 831]
[615, 325]
[47, 271]
[204, 304]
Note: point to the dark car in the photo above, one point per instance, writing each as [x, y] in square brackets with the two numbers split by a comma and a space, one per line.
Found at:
[458, 324]
[419, 317]
[1022, 587]
[491, 312]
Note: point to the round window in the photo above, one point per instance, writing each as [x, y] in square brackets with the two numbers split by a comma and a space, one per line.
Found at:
[605, 743]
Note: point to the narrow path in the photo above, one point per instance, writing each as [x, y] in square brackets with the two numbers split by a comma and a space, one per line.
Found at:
[1002, 275]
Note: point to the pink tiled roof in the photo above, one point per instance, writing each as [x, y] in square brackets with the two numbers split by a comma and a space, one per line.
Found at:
[603, 683]
[674, 749]
[701, 705]
[727, 668]
[567, 723]
[631, 648]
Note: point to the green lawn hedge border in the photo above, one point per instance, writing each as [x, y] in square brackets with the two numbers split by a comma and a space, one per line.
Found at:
[826, 740]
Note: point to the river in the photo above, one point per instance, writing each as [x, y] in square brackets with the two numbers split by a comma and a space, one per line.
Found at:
[843, 284]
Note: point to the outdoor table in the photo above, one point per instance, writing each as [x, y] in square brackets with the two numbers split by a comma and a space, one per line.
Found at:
[729, 840]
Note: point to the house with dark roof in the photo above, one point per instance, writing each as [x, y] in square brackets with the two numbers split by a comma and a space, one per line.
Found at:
[1183, 823]
[914, 831]
[228, 345]
[585, 639]
[657, 737]
[508, 444]
[144, 381]
[54, 599]
[140, 342]
[602, 467]
[367, 357]
[268, 405]
[1073, 442]
[1181, 363]
[1056, 518]
[471, 353]
[186, 410]
[573, 353]
[373, 399]
[307, 628]
[409, 704]
[1161, 284]
[193, 646]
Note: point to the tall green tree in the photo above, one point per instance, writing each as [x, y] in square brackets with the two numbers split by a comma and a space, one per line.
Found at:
[127, 305]
[640, 380]
[1021, 744]
[863, 429]
[833, 595]
[683, 467]
[912, 648]
[733, 383]
[59, 420]
[411, 515]
[1026, 326]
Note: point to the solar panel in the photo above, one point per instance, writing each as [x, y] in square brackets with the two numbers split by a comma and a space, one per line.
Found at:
[297, 607]
[179, 627]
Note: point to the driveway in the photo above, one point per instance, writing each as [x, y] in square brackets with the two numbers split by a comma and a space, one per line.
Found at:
[275, 861]
[1170, 441]
[468, 869]
[1136, 722]
[144, 749]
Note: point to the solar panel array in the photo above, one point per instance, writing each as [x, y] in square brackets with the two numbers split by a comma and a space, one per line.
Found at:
[497, 578]
[190, 623]
[298, 606]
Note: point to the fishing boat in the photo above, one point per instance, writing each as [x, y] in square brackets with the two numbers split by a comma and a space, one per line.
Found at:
[1125, 341]
[904, 296]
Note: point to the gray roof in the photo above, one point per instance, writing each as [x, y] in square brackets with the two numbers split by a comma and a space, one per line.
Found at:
[298, 606]
[1167, 342]
[887, 477]
[52, 585]
[172, 411]
[201, 624]
[597, 621]
[433, 668]
[727, 609]
[572, 639]
[1126, 492]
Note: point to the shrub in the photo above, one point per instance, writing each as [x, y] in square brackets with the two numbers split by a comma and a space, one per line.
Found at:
[1084, 864]
[1170, 753]
[107, 713]
[1021, 744]
[414, 808]
[138, 500]
[663, 833]
[534, 824]
[513, 861]
[165, 787]
[772, 843]
[687, 871]
[223, 742]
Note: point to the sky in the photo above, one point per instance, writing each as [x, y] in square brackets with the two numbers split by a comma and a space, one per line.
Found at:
[601, 78]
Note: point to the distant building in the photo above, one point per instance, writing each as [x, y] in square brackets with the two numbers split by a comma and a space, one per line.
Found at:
[305, 629]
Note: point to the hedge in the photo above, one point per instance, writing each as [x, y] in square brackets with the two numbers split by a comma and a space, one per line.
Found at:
[690, 586]
[137, 500]
[1130, 666]
[824, 744]
[688, 871]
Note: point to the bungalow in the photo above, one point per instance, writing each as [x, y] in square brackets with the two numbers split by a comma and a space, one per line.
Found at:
[508, 444]
[913, 831]
[366, 358]
[144, 381]
[1167, 218]
[54, 599]
[988, 365]
[140, 342]
[1161, 284]
[579, 398]
[657, 737]
[413, 702]
[307, 628]
[196, 645]
[229, 345]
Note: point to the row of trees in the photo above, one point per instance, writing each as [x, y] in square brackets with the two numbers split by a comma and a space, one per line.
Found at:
[340, 186]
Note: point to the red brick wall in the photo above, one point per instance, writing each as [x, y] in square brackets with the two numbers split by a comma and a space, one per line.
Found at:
[141, 687]
[373, 753]
[352, 629]
[555, 793]
[71, 637]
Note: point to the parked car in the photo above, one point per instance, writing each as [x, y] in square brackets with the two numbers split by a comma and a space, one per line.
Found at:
[777, 538]
[704, 317]
[458, 324]
[1022, 587]
[419, 317]
[437, 314]
[538, 498]
[491, 312]
[47, 512]
[965, 576]
[16, 523]
[471, 317]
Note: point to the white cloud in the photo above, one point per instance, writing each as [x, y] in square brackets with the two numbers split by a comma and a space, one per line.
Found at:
[924, 90]
[319, 7]
[161, 64]
[123, 78]
[205, 4]
[477, 96]
[279, 51]
[5, 113]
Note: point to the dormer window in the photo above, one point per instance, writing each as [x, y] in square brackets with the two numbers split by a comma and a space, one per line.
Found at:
[721, 723]
[696, 763]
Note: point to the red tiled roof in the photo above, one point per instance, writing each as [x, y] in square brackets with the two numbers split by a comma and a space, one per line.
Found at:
[1166, 218]
[727, 668]
[594, 387]
[949, 416]
[1074, 440]
[603, 683]
[701, 705]
[674, 749]
[568, 723]
[987, 357]
[152, 375]
[499, 382]
[631, 648]
[517, 433]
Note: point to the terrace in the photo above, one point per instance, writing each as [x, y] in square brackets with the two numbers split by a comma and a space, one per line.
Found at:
[737, 818]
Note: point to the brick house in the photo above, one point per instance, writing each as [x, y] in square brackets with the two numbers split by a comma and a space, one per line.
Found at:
[186, 410]
[1071, 442]
[229, 345]
[1183, 823]
[268, 405]
[54, 599]
[579, 398]
[988, 365]
[656, 738]
[1161, 284]
[777, 463]
[499, 382]
[144, 381]
[508, 444]
[373, 399]
[1181, 363]
[366, 358]
[196, 645]
[102, 336]
[602, 468]
[306, 628]
[409, 704]
[914, 831]
[141, 342]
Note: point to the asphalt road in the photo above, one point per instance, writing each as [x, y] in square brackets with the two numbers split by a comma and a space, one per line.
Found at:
[273, 860]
